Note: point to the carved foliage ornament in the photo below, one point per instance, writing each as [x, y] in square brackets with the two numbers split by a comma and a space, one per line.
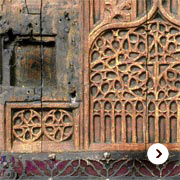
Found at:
[117, 9]
[120, 167]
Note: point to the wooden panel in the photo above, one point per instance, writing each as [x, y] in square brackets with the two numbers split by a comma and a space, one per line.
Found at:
[136, 67]
[118, 82]
[163, 79]
[39, 63]
[42, 127]
[106, 70]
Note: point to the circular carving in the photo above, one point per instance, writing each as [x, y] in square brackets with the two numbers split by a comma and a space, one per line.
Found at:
[27, 125]
[58, 125]
[168, 14]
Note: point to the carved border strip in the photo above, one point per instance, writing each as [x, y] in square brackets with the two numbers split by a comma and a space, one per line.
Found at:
[88, 165]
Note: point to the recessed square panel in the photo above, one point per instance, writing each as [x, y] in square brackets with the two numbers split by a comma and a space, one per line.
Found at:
[36, 127]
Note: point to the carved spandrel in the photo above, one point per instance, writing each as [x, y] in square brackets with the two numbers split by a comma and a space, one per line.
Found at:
[172, 6]
[118, 10]
[104, 12]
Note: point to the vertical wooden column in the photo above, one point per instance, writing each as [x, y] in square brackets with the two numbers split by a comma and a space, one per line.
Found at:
[123, 123]
[169, 6]
[133, 10]
[86, 26]
[91, 12]
[102, 123]
[179, 8]
[178, 123]
[134, 134]
[113, 128]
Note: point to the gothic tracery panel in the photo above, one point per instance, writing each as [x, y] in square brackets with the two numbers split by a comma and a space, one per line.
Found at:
[27, 125]
[58, 125]
[163, 81]
[135, 77]
[118, 86]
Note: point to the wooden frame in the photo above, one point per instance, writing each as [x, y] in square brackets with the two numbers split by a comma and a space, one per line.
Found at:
[41, 146]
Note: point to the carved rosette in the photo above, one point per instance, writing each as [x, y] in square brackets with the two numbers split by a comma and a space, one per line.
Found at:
[58, 125]
[29, 125]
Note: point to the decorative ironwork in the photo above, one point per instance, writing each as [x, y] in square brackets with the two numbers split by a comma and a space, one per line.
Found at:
[58, 125]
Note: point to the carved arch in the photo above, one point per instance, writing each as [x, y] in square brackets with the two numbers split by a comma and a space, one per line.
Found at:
[130, 28]
[157, 5]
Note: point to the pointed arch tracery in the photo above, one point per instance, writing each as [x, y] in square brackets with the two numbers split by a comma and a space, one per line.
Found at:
[134, 77]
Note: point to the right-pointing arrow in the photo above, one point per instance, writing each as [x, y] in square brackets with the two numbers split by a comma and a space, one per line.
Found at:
[160, 153]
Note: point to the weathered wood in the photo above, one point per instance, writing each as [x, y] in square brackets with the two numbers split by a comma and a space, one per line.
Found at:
[105, 75]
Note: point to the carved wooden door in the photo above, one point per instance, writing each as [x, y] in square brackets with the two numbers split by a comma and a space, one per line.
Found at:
[88, 76]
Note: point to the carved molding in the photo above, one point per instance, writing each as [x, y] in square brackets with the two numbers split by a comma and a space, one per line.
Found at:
[106, 166]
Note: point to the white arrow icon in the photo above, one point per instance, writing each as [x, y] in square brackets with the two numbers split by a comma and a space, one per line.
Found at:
[158, 153]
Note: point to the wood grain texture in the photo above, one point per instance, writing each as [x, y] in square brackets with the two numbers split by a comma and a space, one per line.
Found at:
[89, 75]
[136, 67]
